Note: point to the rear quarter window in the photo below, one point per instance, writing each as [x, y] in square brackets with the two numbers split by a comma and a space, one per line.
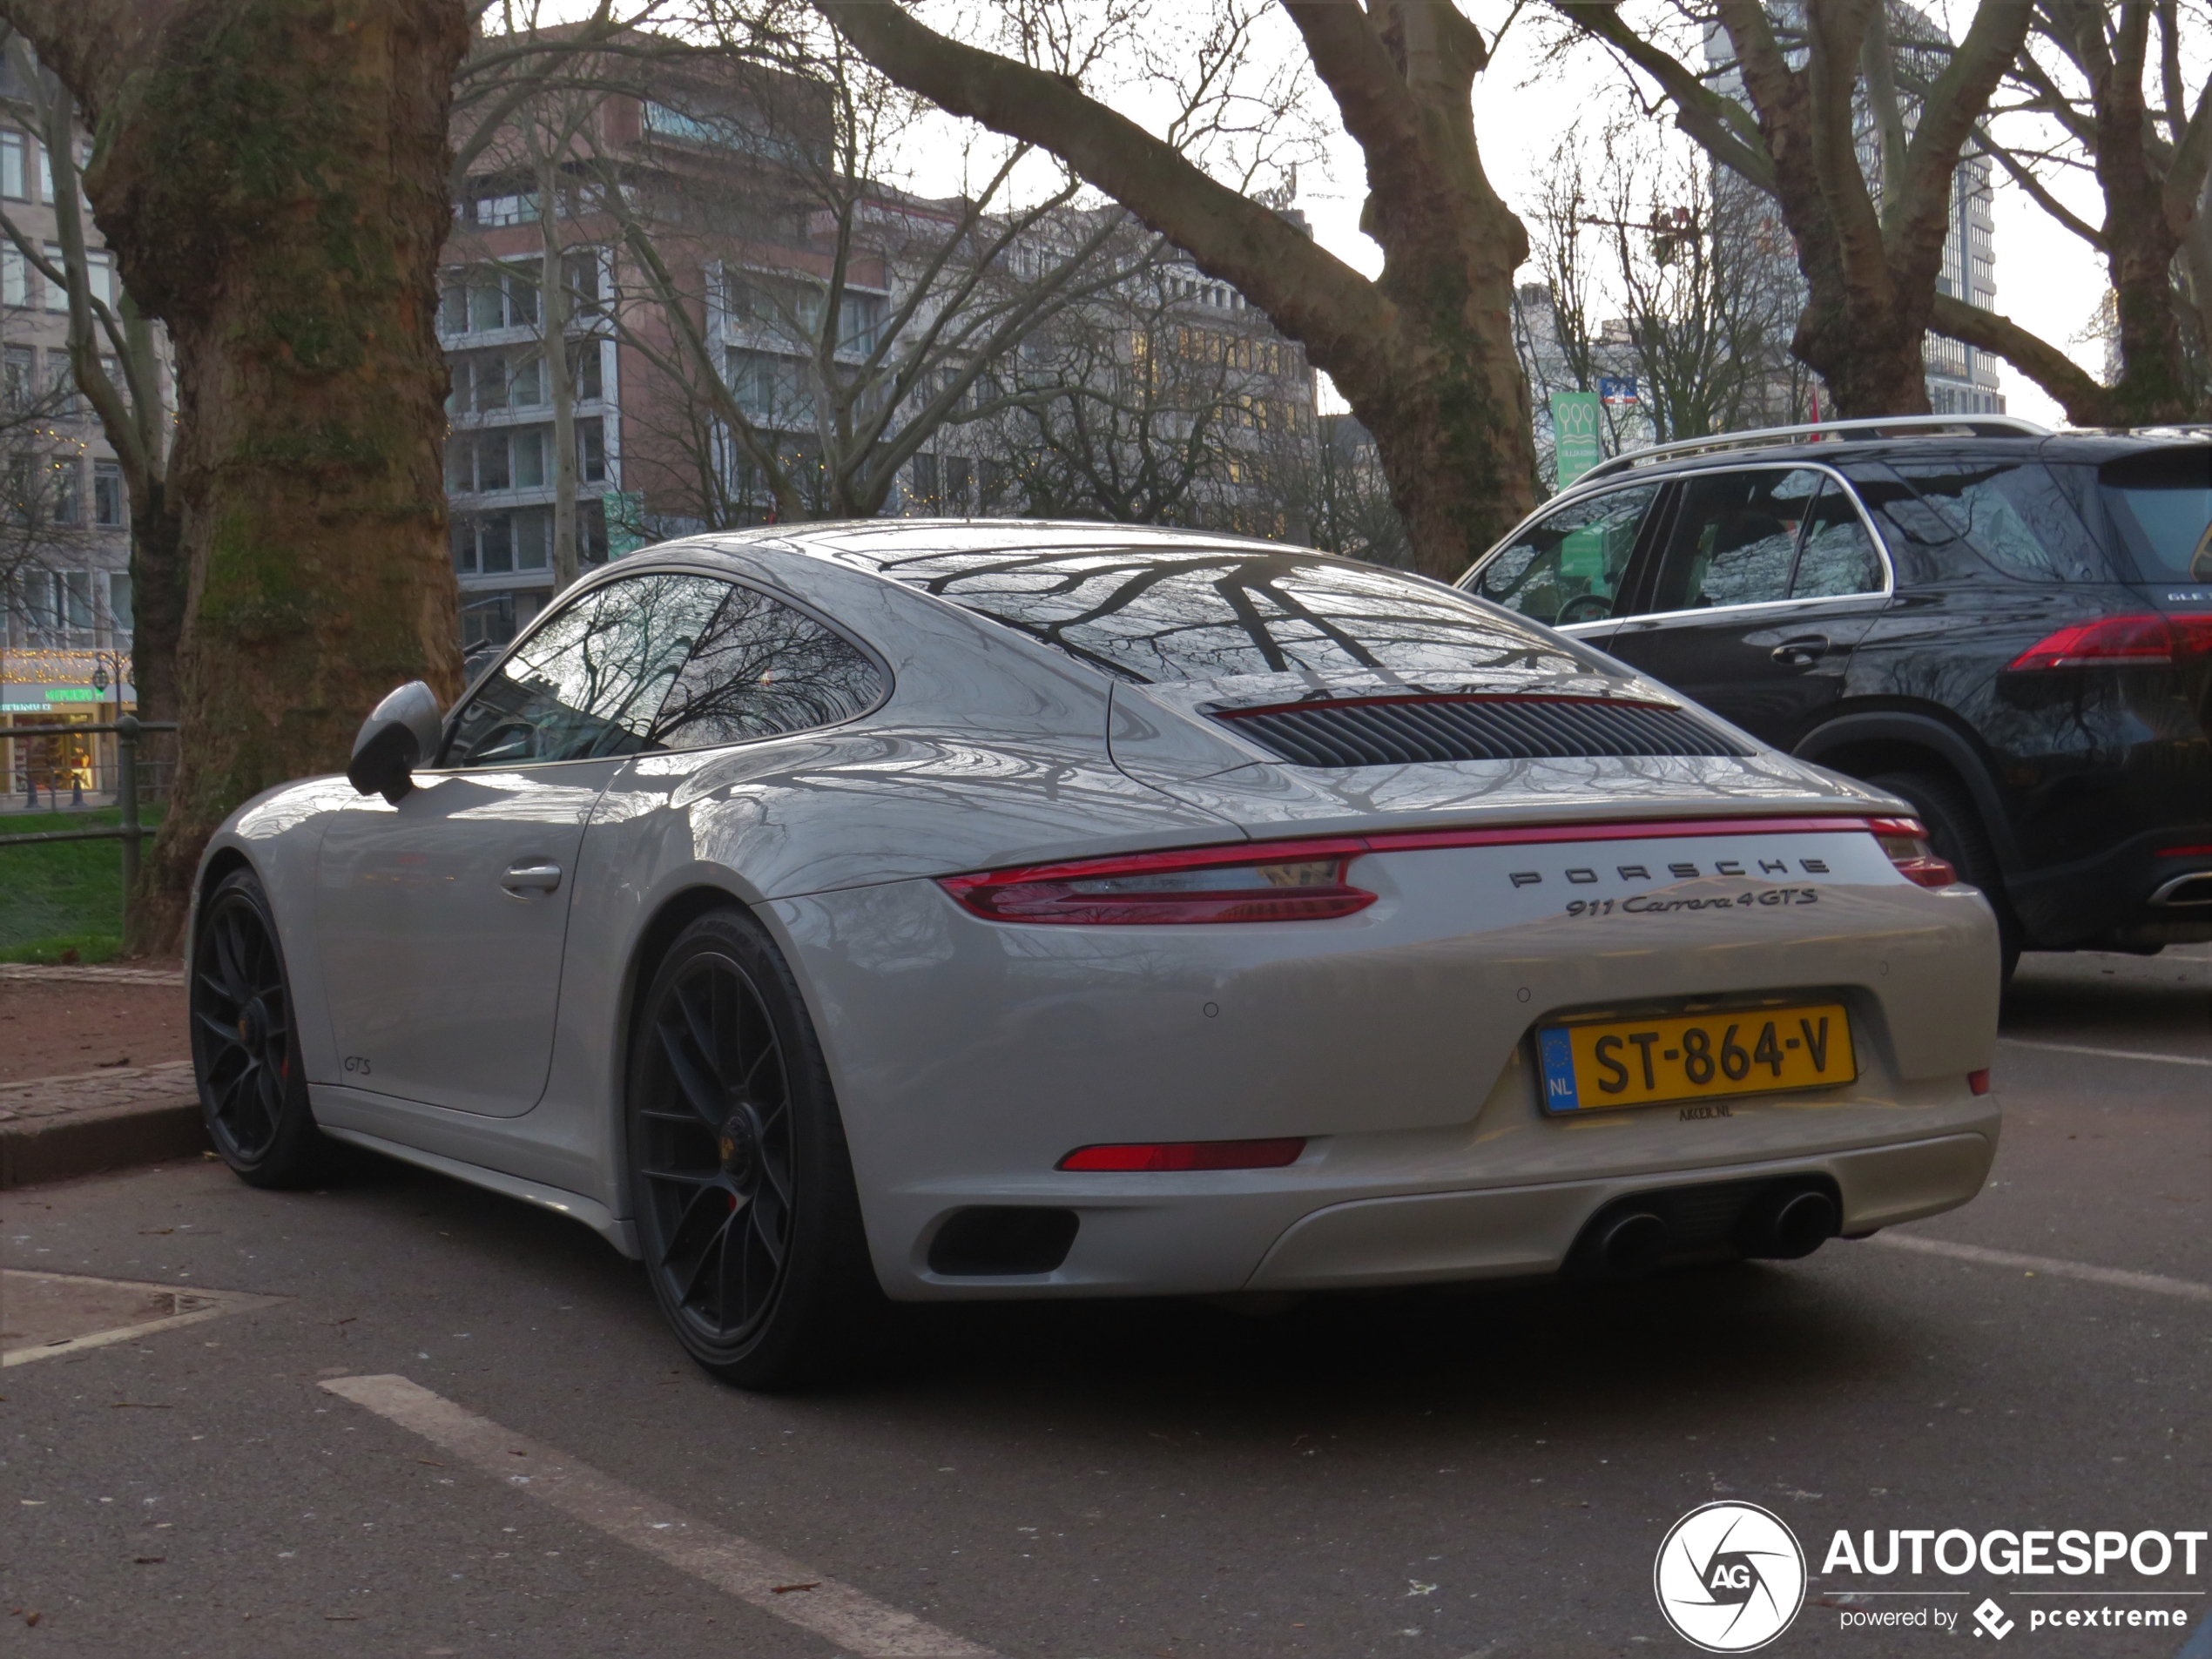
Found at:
[2160, 506]
[2013, 513]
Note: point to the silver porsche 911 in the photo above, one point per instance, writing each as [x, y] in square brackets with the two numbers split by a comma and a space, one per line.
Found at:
[916, 910]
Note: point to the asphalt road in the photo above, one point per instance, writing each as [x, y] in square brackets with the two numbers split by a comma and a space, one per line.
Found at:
[1431, 1476]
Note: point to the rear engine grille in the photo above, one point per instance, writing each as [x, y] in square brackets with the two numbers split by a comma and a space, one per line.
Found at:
[1398, 731]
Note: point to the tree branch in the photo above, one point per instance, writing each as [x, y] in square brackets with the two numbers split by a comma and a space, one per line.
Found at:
[1722, 125]
[1311, 295]
[2075, 388]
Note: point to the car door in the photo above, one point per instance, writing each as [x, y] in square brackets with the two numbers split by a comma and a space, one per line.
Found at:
[440, 919]
[1768, 580]
[1566, 567]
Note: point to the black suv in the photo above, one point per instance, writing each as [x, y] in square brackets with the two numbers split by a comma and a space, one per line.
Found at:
[2010, 627]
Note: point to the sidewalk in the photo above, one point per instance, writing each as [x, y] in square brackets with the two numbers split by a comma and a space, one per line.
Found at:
[54, 1128]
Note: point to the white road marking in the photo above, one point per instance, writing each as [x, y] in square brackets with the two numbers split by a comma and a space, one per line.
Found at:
[2157, 1284]
[793, 1592]
[2107, 1053]
[194, 1305]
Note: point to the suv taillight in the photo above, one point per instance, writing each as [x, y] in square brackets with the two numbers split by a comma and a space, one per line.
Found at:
[1906, 843]
[2113, 642]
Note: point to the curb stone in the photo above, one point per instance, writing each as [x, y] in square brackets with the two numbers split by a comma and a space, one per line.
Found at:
[54, 1128]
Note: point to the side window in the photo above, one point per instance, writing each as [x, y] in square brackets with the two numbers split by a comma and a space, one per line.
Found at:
[761, 669]
[1735, 540]
[588, 681]
[1839, 556]
[1566, 567]
[2012, 513]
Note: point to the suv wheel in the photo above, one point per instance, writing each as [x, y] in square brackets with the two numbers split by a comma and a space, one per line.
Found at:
[1955, 833]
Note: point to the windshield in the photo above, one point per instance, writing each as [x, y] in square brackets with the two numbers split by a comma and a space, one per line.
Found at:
[1154, 614]
[2161, 503]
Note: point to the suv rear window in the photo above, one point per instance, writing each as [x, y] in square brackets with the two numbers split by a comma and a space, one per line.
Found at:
[2161, 503]
[1154, 614]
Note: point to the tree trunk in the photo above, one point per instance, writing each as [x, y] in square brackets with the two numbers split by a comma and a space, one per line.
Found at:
[553, 324]
[272, 177]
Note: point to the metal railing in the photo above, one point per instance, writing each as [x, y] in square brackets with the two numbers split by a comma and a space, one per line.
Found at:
[130, 831]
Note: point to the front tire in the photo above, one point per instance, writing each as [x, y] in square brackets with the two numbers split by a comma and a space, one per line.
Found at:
[1955, 833]
[740, 1180]
[245, 1042]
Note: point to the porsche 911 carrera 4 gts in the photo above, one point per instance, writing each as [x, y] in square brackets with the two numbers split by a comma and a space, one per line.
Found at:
[907, 911]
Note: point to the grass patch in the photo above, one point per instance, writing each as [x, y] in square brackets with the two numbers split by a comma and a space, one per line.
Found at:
[63, 896]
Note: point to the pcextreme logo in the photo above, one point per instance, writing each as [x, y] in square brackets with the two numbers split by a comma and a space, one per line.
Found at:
[1729, 1577]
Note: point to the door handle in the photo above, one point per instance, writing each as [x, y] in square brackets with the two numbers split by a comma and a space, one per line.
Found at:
[1801, 652]
[523, 879]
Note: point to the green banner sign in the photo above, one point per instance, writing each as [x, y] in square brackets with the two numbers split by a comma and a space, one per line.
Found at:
[1574, 433]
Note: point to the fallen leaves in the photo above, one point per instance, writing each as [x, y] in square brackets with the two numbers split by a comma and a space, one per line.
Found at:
[786, 1589]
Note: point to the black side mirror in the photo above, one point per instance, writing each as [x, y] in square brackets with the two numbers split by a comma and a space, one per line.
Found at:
[399, 734]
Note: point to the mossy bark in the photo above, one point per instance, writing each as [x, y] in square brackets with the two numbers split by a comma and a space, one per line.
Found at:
[272, 175]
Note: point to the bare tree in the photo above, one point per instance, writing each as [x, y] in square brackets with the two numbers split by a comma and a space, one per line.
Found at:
[1868, 248]
[2102, 89]
[1424, 352]
[134, 416]
[834, 351]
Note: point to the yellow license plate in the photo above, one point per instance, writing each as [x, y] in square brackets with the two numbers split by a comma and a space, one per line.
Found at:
[1743, 1051]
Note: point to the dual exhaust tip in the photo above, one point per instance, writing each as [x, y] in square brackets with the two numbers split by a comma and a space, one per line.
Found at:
[1779, 1222]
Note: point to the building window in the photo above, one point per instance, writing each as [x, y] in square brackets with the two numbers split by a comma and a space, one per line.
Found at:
[591, 451]
[14, 182]
[119, 601]
[76, 601]
[66, 493]
[15, 276]
[583, 371]
[495, 543]
[18, 375]
[533, 534]
[479, 298]
[57, 295]
[491, 461]
[108, 507]
[528, 465]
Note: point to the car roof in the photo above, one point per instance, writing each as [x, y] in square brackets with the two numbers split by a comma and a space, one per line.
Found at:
[877, 544]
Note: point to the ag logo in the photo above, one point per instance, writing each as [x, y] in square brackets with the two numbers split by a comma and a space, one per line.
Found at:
[1729, 1577]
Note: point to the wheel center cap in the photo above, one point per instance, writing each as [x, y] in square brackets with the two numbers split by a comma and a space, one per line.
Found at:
[739, 1147]
[252, 1024]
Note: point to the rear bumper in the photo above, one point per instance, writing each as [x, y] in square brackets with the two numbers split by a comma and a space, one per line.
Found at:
[2126, 897]
[1442, 1237]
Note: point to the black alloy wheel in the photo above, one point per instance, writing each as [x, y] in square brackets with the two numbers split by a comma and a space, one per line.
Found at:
[1956, 835]
[245, 1044]
[741, 1184]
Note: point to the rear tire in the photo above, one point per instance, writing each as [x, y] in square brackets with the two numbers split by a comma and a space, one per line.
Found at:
[740, 1180]
[1955, 832]
[246, 1044]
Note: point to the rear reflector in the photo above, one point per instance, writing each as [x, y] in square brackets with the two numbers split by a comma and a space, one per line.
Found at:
[2182, 851]
[1906, 843]
[1978, 1081]
[2116, 642]
[1186, 1155]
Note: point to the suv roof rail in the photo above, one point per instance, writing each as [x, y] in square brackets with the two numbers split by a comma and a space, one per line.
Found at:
[1976, 426]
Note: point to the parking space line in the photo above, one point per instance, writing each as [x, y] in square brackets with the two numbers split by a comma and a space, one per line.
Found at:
[192, 1306]
[775, 1583]
[2157, 1284]
[2107, 1053]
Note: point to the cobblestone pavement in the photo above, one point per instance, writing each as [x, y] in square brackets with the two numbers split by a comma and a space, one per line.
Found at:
[119, 1088]
[53, 1128]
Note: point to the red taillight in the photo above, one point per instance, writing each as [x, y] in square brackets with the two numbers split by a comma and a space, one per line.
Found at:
[2182, 851]
[1186, 1155]
[1272, 881]
[1906, 843]
[2115, 642]
[1978, 1081]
